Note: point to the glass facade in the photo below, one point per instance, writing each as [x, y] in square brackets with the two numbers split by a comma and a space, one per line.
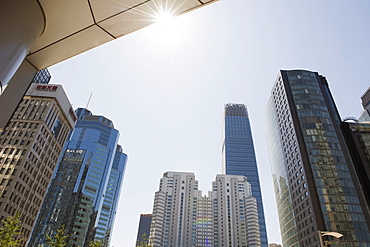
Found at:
[84, 191]
[144, 228]
[42, 77]
[357, 136]
[239, 157]
[315, 183]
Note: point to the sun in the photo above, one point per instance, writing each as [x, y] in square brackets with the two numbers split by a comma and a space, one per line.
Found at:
[163, 15]
[168, 28]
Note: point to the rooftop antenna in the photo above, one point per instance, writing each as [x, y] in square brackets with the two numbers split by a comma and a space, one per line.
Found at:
[88, 102]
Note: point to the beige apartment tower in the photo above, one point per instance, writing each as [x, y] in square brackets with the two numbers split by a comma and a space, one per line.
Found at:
[30, 146]
[183, 217]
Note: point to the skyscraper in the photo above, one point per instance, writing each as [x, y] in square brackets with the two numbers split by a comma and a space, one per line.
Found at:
[357, 136]
[315, 182]
[239, 157]
[84, 191]
[30, 146]
[144, 228]
[174, 210]
[183, 217]
[235, 212]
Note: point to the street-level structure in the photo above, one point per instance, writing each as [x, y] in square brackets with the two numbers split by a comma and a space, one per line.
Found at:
[36, 34]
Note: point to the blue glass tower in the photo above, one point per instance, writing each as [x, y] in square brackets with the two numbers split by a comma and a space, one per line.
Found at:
[84, 191]
[239, 157]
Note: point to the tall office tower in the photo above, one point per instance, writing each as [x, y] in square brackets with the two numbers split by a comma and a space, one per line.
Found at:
[315, 181]
[239, 157]
[29, 150]
[183, 217]
[144, 228]
[84, 191]
[235, 212]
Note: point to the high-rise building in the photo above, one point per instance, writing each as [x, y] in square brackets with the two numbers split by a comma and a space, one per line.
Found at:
[84, 191]
[357, 136]
[29, 149]
[235, 213]
[183, 217]
[144, 228]
[315, 182]
[174, 210]
[239, 157]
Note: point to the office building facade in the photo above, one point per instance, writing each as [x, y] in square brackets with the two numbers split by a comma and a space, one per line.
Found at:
[315, 182]
[84, 191]
[357, 136]
[239, 157]
[30, 146]
[183, 217]
[144, 228]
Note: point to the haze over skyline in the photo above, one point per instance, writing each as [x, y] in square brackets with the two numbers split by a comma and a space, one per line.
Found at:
[166, 95]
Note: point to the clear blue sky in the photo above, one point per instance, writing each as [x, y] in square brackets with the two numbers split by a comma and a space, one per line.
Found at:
[166, 95]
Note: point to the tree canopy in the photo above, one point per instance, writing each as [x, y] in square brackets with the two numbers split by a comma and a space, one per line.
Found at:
[96, 243]
[59, 239]
[10, 234]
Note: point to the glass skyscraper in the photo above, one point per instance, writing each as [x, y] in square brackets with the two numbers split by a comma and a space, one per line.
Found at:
[85, 189]
[239, 157]
[315, 182]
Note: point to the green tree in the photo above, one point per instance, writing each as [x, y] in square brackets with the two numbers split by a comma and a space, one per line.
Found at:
[144, 242]
[9, 232]
[59, 239]
[96, 243]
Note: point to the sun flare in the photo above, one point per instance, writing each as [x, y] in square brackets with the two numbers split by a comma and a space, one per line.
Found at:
[168, 28]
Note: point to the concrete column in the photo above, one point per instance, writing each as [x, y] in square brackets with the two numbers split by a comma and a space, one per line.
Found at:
[15, 91]
[22, 22]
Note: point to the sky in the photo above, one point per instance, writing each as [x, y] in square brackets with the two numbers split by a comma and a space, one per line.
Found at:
[165, 86]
